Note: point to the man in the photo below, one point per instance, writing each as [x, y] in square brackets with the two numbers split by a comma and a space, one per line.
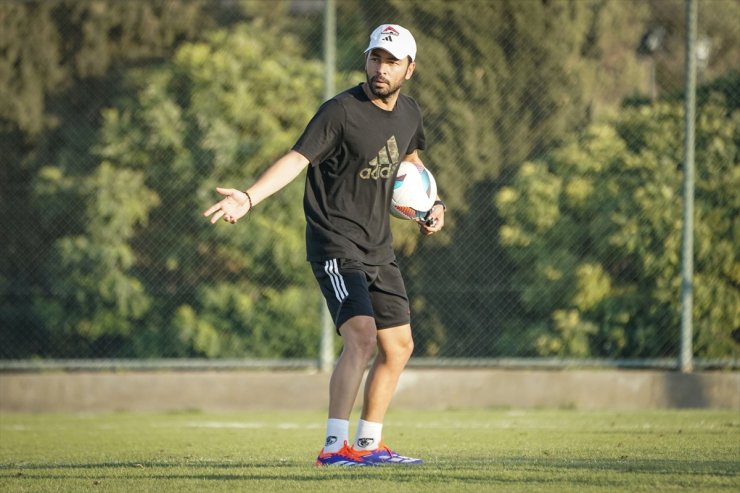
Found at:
[352, 147]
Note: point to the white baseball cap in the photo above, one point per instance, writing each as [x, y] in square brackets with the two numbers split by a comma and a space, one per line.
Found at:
[394, 39]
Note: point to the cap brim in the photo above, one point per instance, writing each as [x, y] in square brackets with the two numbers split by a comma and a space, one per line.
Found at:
[393, 50]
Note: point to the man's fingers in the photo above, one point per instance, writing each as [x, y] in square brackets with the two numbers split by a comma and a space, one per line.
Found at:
[225, 191]
[429, 225]
[216, 211]
[218, 215]
[212, 209]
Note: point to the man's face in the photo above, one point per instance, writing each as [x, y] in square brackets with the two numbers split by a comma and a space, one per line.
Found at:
[386, 73]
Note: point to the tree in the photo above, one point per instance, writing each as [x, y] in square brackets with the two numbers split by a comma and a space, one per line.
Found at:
[500, 83]
[219, 112]
[92, 300]
[718, 40]
[60, 62]
[45, 46]
[594, 228]
[92, 95]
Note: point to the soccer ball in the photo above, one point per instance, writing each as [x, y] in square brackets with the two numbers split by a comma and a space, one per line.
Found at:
[414, 191]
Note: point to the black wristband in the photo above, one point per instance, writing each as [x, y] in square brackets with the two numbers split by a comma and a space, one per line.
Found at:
[249, 198]
[439, 202]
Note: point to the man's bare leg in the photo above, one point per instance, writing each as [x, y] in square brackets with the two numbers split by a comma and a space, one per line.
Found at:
[395, 346]
[360, 338]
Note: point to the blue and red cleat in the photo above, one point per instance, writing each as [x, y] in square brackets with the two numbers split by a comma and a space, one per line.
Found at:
[384, 455]
[344, 457]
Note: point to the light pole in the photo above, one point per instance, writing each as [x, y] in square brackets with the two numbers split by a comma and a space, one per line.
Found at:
[686, 356]
[326, 346]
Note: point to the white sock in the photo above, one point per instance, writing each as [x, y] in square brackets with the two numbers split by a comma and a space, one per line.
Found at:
[368, 435]
[337, 432]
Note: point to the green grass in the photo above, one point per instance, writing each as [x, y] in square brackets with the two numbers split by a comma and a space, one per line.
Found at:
[475, 450]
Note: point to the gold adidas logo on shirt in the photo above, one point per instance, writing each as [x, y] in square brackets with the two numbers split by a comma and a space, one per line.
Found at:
[384, 166]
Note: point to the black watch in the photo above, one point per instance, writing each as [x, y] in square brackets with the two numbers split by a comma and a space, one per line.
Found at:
[439, 202]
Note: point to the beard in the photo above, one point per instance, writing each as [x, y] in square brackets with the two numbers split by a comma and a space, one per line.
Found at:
[382, 92]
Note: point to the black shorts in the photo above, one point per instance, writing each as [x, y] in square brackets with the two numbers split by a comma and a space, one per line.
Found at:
[352, 288]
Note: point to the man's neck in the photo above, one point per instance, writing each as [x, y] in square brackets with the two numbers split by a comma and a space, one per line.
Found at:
[387, 103]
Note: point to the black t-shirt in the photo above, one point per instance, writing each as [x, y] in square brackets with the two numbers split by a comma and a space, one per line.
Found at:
[354, 149]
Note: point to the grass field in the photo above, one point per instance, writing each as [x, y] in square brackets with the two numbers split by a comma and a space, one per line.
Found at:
[475, 450]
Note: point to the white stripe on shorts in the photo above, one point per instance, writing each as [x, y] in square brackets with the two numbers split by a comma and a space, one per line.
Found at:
[332, 269]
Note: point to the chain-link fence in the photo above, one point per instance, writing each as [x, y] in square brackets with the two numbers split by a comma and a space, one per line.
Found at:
[555, 131]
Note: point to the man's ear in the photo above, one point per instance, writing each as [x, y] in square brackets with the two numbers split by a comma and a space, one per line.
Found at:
[410, 69]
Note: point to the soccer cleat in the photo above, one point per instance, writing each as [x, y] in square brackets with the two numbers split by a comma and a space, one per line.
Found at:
[345, 457]
[384, 455]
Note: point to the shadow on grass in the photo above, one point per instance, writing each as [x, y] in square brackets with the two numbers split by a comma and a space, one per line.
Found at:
[439, 470]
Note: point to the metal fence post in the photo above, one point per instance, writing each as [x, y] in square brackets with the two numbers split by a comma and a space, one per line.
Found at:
[326, 348]
[687, 235]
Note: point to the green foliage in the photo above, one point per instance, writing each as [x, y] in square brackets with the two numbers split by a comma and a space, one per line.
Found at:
[218, 113]
[500, 83]
[91, 271]
[503, 81]
[717, 34]
[117, 120]
[46, 45]
[595, 229]
[238, 320]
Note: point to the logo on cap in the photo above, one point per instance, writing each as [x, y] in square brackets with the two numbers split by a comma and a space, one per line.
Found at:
[394, 39]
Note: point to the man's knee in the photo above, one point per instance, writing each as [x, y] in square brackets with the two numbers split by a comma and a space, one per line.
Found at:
[401, 351]
[397, 344]
[360, 336]
[408, 347]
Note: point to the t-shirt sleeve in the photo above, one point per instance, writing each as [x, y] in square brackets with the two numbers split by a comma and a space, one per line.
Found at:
[323, 133]
[418, 140]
